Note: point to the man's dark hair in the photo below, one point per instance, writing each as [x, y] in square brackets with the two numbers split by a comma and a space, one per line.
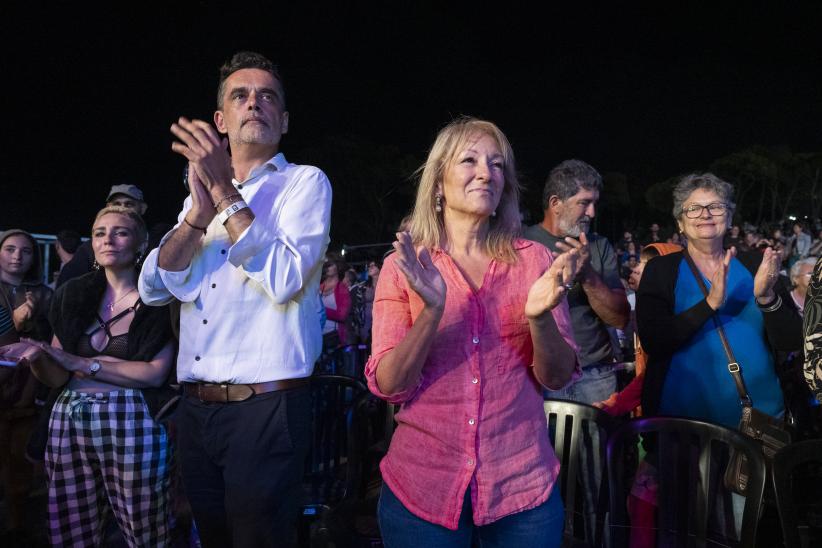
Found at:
[245, 60]
[69, 240]
[568, 178]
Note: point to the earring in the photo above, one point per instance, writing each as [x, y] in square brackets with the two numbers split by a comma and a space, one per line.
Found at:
[95, 265]
[138, 259]
[438, 203]
[494, 213]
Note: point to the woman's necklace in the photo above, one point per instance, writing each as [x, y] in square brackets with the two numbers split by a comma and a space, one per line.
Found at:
[112, 304]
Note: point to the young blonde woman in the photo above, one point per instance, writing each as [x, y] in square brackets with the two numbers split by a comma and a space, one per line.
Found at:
[105, 453]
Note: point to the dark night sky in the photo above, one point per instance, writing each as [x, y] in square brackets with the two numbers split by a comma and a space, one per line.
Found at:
[632, 90]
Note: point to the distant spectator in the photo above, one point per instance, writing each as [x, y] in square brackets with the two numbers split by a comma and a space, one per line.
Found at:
[66, 246]
[356, 317]
[778, 237]
[337, 302]
[627, 237]
[373, 271]
[628, 266]
[653, 236]
[733, 238]
[630, 250]
[676, 238]
[798, 245]
[751, 240]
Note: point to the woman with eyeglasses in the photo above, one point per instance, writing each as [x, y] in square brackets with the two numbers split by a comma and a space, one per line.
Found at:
[687, 373]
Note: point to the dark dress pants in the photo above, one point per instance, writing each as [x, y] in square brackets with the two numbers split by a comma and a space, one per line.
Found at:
[242, 464]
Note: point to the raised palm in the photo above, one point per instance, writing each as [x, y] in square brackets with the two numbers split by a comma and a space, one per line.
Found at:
[550, 288]
[420, 272]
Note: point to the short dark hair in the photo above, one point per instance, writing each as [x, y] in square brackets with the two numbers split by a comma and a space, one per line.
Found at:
[244, 60]
[568, 178]
[69, 240]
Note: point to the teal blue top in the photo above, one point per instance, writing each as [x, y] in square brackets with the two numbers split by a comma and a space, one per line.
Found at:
[698, 384]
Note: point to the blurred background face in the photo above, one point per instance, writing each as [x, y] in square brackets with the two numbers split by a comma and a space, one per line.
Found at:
[373, 269]
[803, 278]
[330, 272]
[16, 255]
[636, 274]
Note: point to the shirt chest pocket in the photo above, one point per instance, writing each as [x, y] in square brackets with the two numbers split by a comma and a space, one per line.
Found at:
[514, 349]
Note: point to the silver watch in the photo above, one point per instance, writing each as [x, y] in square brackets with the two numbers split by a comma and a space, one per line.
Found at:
[94, 368]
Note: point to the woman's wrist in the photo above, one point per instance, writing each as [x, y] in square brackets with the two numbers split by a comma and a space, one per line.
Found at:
[769, 305]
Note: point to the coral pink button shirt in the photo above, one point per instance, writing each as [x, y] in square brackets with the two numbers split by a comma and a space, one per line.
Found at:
[475, 417]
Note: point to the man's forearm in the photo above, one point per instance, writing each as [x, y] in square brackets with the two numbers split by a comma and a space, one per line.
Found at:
[610, 305]
[178, 250]
[554, 359]
[237, 223]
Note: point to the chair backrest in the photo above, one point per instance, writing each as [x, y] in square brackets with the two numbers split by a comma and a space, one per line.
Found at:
[339, 437]
[347, 360]
[797, 471]
[570, 426]
[690, 458]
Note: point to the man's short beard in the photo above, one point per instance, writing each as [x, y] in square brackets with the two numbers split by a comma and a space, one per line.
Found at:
[573, 230]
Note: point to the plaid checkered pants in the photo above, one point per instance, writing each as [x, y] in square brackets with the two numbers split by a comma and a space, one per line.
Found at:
[105, 453]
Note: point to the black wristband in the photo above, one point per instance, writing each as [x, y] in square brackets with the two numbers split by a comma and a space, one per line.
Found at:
[195, 227]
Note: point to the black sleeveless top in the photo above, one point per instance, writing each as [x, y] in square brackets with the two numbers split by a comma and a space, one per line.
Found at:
[116, 346]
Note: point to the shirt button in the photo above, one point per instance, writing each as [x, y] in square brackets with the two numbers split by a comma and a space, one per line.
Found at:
[475, 380]
[471, 422]
[240, 187]
[222, 251]
[213, 286]
[196, 358]
[475, 340]
[205, 322]
[470, 462]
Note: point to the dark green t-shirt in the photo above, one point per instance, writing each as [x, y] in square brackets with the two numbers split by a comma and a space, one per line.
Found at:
[590, 332]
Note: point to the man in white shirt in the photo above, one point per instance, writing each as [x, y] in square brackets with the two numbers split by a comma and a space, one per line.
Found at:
[245, 260]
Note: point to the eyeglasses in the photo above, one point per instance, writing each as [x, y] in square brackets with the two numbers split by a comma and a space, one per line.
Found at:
[694, 211]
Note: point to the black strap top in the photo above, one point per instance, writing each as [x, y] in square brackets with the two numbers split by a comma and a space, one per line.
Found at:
[116, 345]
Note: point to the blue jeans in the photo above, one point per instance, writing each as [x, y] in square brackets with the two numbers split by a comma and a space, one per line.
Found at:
[540, 527]
[598, 382]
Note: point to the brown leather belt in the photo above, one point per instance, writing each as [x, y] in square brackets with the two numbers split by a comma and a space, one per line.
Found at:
[209, 392]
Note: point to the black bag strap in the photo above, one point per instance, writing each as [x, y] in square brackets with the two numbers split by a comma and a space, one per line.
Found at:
[733, 365]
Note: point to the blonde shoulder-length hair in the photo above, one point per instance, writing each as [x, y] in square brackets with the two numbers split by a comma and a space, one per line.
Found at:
[426, 224]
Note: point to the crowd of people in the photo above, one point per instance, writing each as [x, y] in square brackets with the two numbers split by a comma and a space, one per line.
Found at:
[471, 319]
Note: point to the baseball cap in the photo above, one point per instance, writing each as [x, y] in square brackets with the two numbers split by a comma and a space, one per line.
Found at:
[129, 190]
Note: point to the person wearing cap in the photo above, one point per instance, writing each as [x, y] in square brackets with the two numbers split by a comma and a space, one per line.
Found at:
[123, 195]
[245, 260]
[129, 196]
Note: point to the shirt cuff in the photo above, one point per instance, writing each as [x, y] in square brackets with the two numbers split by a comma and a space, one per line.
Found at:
[253, 240]
[371, 379]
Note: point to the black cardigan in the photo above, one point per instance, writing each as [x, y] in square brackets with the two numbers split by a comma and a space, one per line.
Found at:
[662, 333]
[74, 308]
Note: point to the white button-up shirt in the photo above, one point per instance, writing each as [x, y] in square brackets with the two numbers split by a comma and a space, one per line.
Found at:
[251, 310]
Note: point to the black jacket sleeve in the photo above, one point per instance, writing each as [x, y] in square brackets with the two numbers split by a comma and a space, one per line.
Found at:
[660, 330]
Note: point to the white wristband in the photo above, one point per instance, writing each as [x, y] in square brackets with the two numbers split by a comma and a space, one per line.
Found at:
[231, 210]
